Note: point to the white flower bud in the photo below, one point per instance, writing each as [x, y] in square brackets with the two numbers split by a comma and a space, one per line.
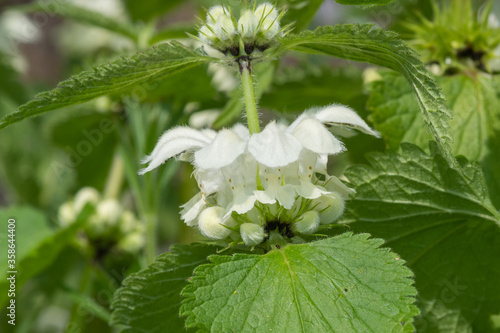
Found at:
[224, 28]
[212, 224]
[215, 13]
[84, 196]
[247, 24]
[330, 207]
[267, 11]
[132, 242]
[109, 210]
[206, 35]
[128, 222]
[308, 222]
[252, 234]
[66, 214]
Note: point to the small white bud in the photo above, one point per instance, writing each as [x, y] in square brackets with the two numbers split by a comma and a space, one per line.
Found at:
[128, 222]
[330, 207]
[84, 196]
[212, 224]
[252, 234]
[66, 214]
[267, 11]
[247, 24]
[206, 35]
[214, 13]
[308, 222]
[107, 215]
[224, 28]
[132, 242]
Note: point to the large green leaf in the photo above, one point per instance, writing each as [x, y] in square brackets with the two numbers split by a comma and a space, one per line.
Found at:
[443, 225]
[340, 284]
[149, 300]
[81, 15]
[36, 244]
[474, 101]
[120, 76]
[381, 48]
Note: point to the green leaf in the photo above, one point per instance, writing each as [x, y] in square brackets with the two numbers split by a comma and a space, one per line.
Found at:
[81, 15]
[149, 300]
[120, 76]
[36, 244]
[473, 100]
[381, 48]
[340, 284]
[444, 226]
[299, 12]
[364, 2]
[10, 85]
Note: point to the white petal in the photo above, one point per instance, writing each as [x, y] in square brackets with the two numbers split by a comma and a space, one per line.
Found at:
[172, 143]
[341, 115]
[222, 151]
[192, 209]
[335, 185]
[285, 195]
[315, 137]
[264, 197]
[309, 191]
[243, 201]
[241, 131]
[274, 147]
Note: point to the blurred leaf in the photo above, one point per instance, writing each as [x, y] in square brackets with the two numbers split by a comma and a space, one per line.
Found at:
[364, 2]
[299, 89]
[147, 10]
[340, 284]
[474, 101]
[88, 140]
[443, 225]
[116, 77]
[81, 15]
[88, 304]
[149, 300]
[382, 48]
[9, 84]
[177, 31]
[35, 243]
[299, 11]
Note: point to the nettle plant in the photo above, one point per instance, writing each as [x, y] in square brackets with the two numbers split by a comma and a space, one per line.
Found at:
[277, 256]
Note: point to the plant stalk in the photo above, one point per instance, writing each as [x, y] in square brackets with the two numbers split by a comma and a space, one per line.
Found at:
[249, 94]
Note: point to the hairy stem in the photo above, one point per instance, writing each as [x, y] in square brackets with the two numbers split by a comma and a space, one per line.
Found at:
[249, 94]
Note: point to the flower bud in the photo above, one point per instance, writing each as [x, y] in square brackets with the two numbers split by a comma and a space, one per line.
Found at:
[132, 242]
[128, 222]
[247, 24]
[330, 207]
[212, 224]
[252, 234]
[84, 196]
[66, 214]
[307, 223]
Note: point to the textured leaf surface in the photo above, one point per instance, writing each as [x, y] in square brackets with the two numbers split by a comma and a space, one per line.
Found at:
[149, 300]
[116, 77]
[474, 102]
[341, 284]
[382, 48]
[444, 226]
[81, 15]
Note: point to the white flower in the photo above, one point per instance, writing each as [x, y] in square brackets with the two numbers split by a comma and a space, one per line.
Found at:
[275, 171]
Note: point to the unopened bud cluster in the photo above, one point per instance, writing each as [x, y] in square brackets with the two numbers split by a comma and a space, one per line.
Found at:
[109, 224]
[257, 28]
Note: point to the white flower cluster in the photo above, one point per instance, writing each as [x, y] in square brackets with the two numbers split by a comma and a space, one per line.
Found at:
[110, 221]
[252, 185]
[257, 27]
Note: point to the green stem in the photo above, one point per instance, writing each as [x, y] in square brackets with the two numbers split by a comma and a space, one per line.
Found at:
[115, 178]
[77, 322]
[150, 220]
[249, 94]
